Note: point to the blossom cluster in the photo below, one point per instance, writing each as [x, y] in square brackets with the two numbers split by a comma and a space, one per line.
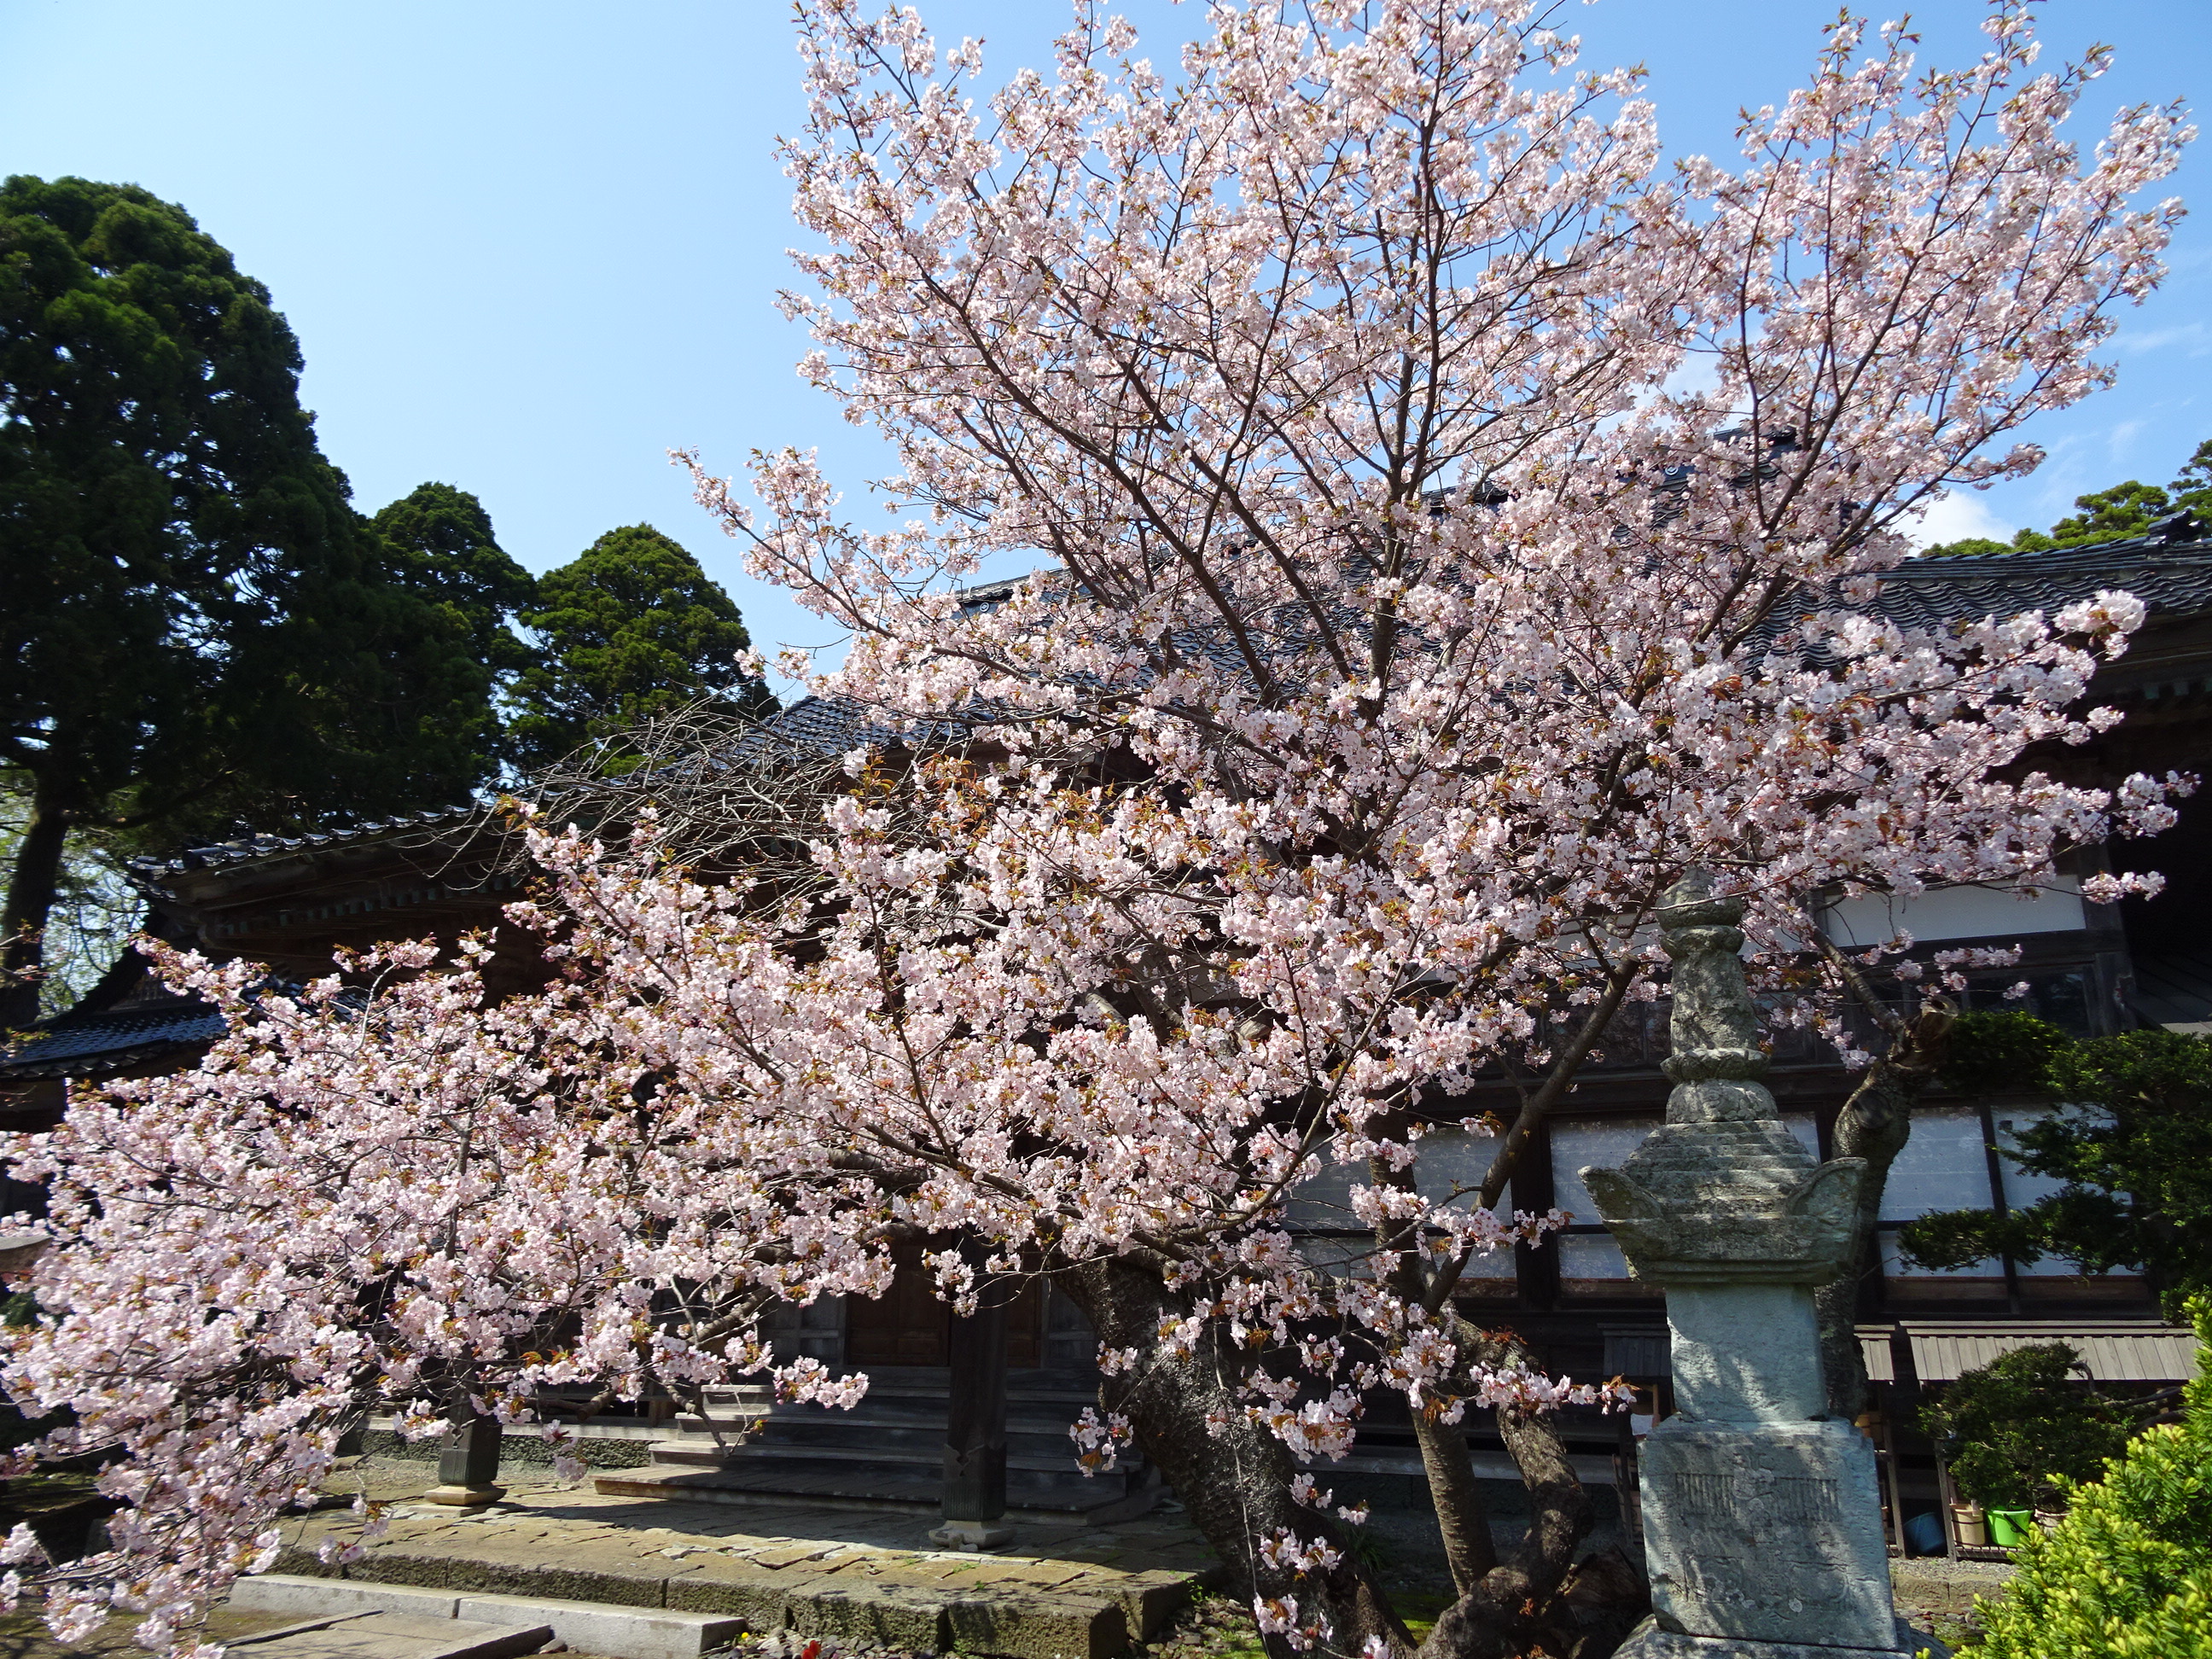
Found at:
[1458, 527]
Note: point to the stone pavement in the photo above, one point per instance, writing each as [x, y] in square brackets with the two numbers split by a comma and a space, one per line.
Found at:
[378, 1635]
[1074, 1592]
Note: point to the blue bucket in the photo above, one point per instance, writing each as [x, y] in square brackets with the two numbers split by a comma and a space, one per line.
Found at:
[1923, 1531]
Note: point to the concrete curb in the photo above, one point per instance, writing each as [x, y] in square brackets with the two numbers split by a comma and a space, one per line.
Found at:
[616, 1632]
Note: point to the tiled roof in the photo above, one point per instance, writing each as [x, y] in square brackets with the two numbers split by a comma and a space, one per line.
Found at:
[2174, 988]
[97, 1044]
[2170, 570]
[2172, 578]
[218, 854]
[824, 725]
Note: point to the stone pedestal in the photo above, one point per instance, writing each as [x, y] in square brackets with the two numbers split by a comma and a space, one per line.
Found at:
[1762, 1519]
[1651, 1640]
[1773, 1533]
[468, 1464]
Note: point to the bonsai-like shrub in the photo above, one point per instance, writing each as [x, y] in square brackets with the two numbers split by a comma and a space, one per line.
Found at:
[2127, 1573]
[2012, 1429]
[2134, 1153]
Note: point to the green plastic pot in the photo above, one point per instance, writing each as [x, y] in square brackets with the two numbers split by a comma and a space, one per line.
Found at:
[2009, 1528]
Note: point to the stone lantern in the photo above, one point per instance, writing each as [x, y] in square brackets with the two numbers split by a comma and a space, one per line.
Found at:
[1762, 1519]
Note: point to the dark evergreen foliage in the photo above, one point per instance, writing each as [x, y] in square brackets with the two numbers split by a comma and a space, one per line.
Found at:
[199, 631]
[2010, 1430]
[632, 629]
[439, 546]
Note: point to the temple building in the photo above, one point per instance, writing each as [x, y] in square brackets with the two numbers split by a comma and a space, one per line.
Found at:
[2090, 969]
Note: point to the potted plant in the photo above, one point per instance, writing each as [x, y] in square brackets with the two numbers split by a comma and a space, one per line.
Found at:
[2010, 1428]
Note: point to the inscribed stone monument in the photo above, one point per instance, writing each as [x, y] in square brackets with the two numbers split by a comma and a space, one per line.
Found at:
[1762, 1521]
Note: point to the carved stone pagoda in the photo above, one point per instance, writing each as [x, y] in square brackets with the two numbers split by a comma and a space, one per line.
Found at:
[1762, 1519]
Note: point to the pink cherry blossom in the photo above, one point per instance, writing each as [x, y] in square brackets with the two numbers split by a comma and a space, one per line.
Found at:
[1454, 525]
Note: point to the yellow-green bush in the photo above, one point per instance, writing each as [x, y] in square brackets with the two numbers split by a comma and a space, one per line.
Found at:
[2127, 1573]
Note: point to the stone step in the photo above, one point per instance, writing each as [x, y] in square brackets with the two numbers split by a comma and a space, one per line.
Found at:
[616, 1632]
[377, 1634]
[862, 1484]
[916, 1441]
[1023, 1473]
[690, 1599]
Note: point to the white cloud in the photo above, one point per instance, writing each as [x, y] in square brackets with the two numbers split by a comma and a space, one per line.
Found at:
[1956, 515]
[2185, 340]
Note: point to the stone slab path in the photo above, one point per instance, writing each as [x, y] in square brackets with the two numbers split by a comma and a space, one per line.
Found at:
[1077, 1592]
[380, 1635]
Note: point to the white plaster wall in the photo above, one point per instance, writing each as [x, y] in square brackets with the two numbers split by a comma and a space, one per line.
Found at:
[2022, 1188]
[1449, 1158]
[1958, 913]
[1944, 1166]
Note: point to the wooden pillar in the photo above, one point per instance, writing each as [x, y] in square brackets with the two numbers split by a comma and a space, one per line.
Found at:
[974, 1504]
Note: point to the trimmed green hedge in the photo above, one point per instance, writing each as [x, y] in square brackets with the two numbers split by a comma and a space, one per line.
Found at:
[2127, 1573]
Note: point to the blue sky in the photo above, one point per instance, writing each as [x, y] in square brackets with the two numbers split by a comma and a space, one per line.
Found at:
[528, 248]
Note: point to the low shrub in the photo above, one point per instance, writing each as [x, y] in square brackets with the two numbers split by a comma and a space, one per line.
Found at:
[2127, 1574]
[2012, 1430]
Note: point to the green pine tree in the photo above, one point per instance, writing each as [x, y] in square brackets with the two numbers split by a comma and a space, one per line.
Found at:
[633, 628]
[2104, 515]
[199, 631]
[438, 546]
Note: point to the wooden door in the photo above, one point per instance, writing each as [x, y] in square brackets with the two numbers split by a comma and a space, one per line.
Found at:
[904, 1325]
[908, 1326]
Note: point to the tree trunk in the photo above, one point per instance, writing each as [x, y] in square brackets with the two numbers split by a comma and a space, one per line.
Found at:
[32, 885]
[1235, 1483]
[1461, 1517]
[1509, 1609]
[1874, 1124]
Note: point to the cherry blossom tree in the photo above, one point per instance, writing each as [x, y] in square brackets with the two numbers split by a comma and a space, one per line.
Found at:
[1458, 526]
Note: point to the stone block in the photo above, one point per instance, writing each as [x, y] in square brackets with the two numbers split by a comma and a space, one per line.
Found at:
[1745, 1353]
[1031, 1625]
[718, 1584]
[312, 1598]
[401, 1636]
[1648, 1641]
[401, 1564]
[1937, 1589]
[1773, 1533]
[451, 1638]
[617, 1632]
[300, 1561]
[869, 1615]
[572, 1575]
[1151, 1600]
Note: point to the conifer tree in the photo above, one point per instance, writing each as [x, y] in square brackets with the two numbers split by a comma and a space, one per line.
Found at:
[199, 629]
[631, 628]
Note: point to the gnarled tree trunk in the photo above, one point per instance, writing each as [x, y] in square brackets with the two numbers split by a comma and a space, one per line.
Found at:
[1874, 1124]
[1232, 1475]
[32, 885]
[1509, 1607]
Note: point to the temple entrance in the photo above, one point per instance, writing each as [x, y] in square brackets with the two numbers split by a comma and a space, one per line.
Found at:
[908, 1326]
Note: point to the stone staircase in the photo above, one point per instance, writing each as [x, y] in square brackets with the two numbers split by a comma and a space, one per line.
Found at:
[888, 1452]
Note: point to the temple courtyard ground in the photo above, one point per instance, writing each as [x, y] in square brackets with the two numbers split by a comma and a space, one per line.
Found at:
[564, 1567]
